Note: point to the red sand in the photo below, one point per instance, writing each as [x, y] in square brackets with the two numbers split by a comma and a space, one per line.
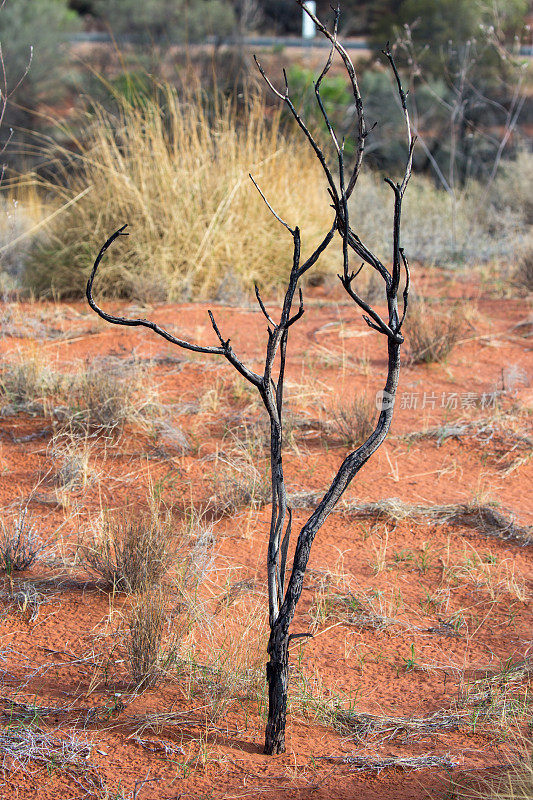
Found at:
[224, 759]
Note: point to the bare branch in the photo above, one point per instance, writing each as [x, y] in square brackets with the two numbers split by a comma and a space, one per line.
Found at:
[363, 252]
[224, 350]
[371, 324]
[224, 343]
[262, 306]
[361, 125]
[291, 230]
[403, 99]
[313, 258]
[380, 325]
[287, 100]
[299, 313]
[321, 78]
[405, 290]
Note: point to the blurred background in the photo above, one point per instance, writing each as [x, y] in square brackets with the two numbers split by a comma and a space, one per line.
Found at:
[118, 110]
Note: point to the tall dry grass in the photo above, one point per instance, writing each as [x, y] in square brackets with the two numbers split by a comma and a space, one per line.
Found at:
[175, 168]
[177, 172]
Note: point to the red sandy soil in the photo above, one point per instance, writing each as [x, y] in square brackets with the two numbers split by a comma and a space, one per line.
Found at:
[59, 658]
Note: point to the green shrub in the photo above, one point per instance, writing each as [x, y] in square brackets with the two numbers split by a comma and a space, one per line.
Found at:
[335, 96]
[44, 26]
[167, 21]
[441, 30]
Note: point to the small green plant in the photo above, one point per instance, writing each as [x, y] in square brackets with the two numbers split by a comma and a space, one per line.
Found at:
[335, 96]
[421, 560]
[411, 662]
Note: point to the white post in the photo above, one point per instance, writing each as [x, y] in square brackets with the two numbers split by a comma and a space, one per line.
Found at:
[308, 26]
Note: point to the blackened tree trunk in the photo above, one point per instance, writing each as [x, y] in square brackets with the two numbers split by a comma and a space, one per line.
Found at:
[277, 672]
[283, 598]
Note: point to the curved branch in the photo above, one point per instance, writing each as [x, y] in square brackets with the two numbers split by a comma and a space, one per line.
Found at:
[262, 306]
[321, 77]
[224, 350]
[403, 100]
[279, 219]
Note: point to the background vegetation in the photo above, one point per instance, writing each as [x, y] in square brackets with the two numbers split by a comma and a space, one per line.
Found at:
[106, 134]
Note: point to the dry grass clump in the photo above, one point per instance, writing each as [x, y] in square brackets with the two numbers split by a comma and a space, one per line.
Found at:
[515, 784]
[26, 381]
[100, 399]
[148, 652]
[91, 397]
[237, 482]
[353, 421]
[500, 702]
[177, 172]
[20, 544]
[363, 726]
[485, 571]
[223, 658]
[71, 459]
[483, 518]
[215, 653]
[431, 335]
[378, 764]
[23, 747]
[131, 551]
[524, 271]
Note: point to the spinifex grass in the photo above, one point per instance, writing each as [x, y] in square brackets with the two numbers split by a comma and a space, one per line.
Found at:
[20, 544]
[177, 171]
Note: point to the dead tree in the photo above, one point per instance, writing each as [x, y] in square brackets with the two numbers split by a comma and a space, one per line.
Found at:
[284, 592]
